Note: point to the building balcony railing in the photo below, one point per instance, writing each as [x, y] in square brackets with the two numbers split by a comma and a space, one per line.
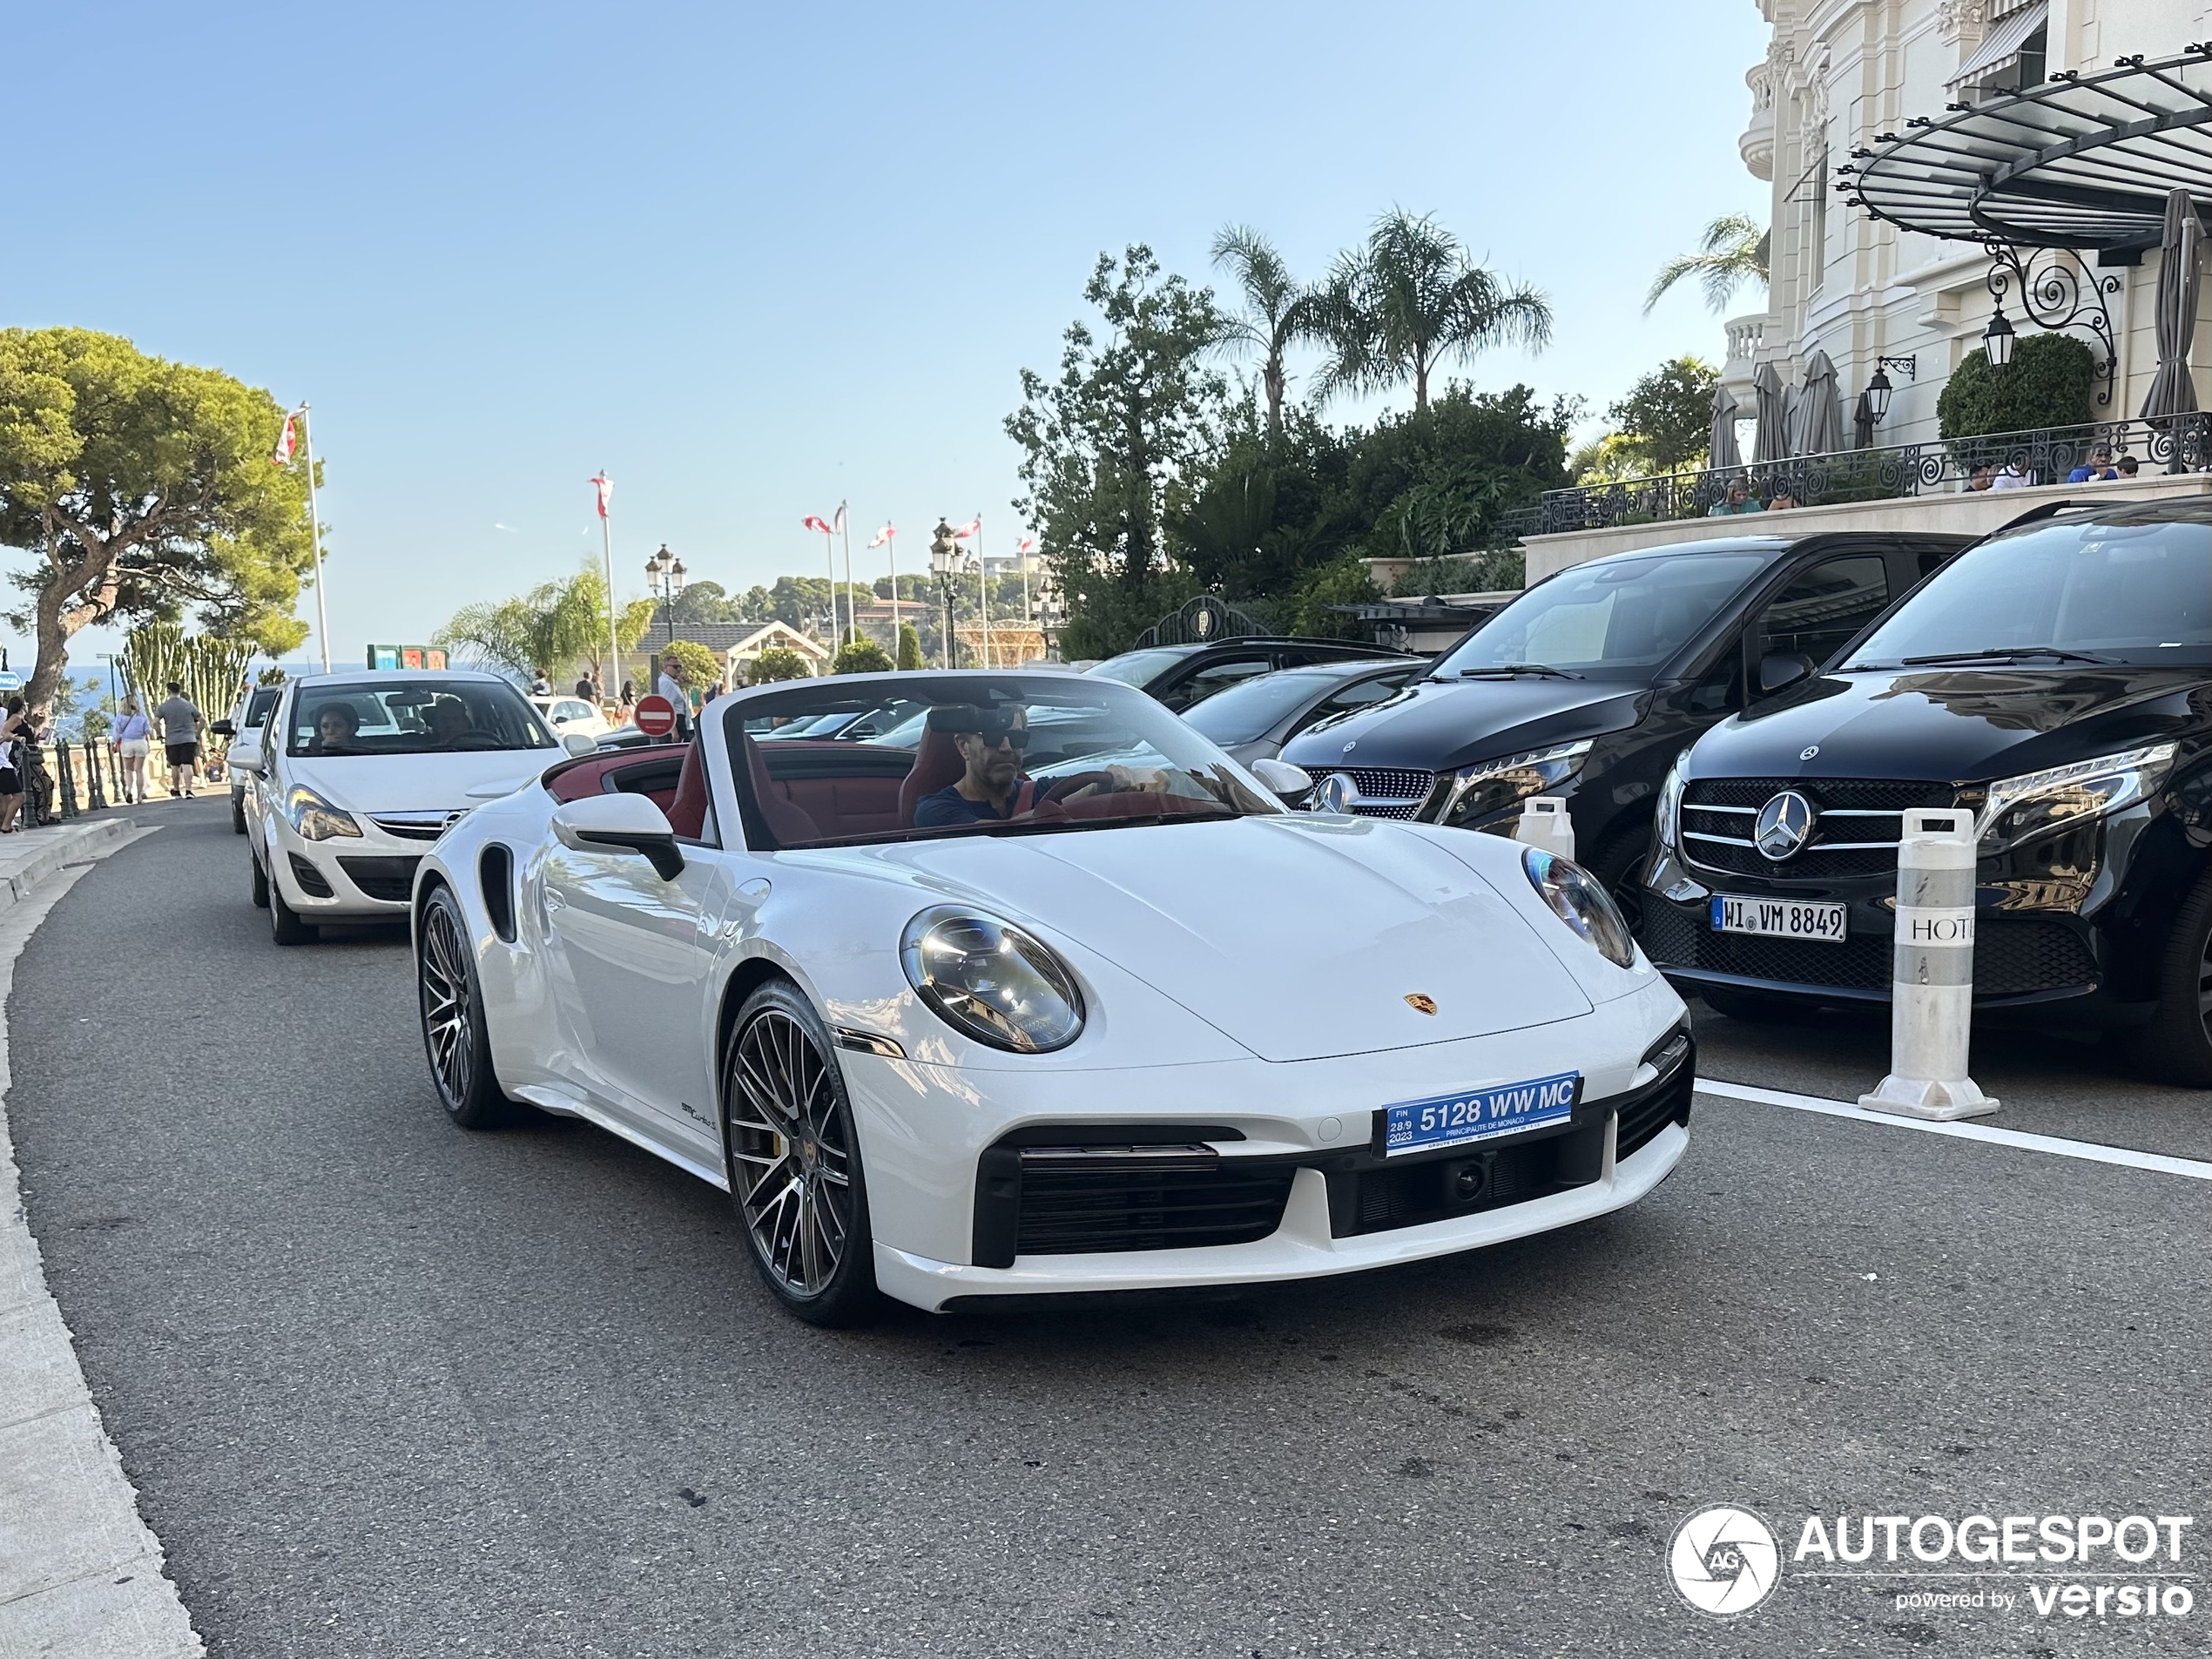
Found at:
[2012, 460]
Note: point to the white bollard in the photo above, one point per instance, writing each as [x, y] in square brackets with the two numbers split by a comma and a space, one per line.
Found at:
[1932, 991]
[1544, 823]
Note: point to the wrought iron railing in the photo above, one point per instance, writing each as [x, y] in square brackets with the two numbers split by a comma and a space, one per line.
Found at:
[2178, 443]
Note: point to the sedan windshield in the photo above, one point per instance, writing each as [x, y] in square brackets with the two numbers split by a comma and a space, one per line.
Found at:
[405, 717]
[1138, 667]
[985, 754]
[1243, 712]
[1617, 618]
[2125, 592]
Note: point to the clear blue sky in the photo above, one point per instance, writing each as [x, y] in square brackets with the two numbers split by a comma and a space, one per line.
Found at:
[754, 259]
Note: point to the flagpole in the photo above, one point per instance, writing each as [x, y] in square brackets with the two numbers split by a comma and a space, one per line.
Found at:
[984, 588]
[829, 553]
[891, 552]
[611, 684]
[314, 534]
[851, 616]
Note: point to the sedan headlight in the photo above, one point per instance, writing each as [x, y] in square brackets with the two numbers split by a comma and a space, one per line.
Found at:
[991, 980]
[2024, 806]
[1577, 899]
[316, 819]
[1493, 785]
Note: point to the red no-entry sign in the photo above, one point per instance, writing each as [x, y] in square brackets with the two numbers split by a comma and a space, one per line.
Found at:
[656, 715]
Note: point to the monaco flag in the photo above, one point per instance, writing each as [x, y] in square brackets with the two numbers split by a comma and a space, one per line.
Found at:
[883, 536]
[287, 441]
[605, 486]
[836, 523]
[1024, 545]
[972, 527]
[816, 522]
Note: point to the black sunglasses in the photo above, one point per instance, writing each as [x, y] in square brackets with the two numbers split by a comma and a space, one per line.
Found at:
[992, 735]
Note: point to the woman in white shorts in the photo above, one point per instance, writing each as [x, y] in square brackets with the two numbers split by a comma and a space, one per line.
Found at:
[132, 739]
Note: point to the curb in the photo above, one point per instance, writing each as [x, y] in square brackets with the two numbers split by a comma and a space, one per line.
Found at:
[81, 1573]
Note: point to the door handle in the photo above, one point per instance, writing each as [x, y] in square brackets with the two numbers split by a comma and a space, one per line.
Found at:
[554, 901]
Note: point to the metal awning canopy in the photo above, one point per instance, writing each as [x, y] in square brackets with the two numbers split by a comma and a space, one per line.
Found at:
[2081, 161]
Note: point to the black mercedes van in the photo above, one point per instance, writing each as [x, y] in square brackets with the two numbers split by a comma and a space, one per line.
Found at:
[2056, 680]
[1591, 683]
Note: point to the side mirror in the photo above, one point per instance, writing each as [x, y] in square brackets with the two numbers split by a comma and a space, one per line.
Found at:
[1780, 668]
[1292, 784]
[621, 824]
[222, 729]
[577, 743]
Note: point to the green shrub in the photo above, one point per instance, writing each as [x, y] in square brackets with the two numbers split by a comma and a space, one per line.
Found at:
[777, 662]
[2048, 383]
[909, 647]
[864, 657]
[700, 667]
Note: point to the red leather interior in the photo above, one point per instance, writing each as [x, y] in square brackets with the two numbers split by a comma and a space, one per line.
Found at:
[788, 820]
[587, 777]
[687, 811]
[937, 766]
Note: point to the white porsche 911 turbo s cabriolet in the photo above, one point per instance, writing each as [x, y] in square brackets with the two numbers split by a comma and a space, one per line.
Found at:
[1037, 991]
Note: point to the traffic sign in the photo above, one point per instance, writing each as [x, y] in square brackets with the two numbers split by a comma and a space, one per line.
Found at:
[10, 680]
[655, 715]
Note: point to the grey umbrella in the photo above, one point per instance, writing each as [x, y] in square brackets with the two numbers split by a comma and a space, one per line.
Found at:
[1723, 456]
[1820, 419]
[2172, 391]
[1772, 443]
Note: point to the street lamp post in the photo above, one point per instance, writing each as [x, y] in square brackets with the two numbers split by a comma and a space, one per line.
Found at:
[945, 565]
[665, 577]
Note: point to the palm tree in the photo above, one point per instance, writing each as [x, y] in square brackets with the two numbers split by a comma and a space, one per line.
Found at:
[1410, 299]
[1733, 253]
[1278, 310]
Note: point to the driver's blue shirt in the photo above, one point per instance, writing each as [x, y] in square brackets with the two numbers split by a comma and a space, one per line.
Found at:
[948, 806]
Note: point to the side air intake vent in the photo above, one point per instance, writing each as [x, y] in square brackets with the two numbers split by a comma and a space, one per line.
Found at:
[496, 870]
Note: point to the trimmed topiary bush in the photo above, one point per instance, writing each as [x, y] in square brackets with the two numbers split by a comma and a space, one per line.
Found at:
[2048, 383]
[861, 657]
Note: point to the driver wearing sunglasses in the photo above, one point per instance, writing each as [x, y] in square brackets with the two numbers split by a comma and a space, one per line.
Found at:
[995, 785]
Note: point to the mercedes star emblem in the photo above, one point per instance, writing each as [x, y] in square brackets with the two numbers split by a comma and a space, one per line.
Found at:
[1808, 751]
[1336, 794]
[1784, 826]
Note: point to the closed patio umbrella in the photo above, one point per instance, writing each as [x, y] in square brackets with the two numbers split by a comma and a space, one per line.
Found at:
[1820, 418]
[1772, 443]
[1723, 454]
[2172, 391]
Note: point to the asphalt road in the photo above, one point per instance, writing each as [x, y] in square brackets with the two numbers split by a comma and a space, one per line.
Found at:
[387, 1388]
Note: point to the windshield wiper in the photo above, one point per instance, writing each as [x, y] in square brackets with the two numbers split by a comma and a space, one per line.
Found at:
[1516, 668]
[2000, 653]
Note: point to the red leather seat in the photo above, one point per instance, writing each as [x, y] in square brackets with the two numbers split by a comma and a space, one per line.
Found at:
[937, 766]
[687, 812]
[788, 820]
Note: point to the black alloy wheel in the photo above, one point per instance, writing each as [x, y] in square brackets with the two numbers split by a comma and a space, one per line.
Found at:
[794, 1162]
[1619, 867]
[453, 1018]
[2176, 1046]
[284, 925]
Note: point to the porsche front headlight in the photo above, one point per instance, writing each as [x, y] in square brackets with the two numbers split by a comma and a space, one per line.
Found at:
[991, 980]
[1578, 899]
[2021, 807]
[316, 819]
[1490, 787]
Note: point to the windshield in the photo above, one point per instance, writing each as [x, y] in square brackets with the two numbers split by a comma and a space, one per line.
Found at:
[1610, 619]
[1138, 667]
[2118, 593]
[987, 753]
[1243, 712]
[400, 717]
[258, 704]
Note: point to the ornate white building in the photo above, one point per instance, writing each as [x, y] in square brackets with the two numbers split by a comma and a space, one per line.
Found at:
[1838, 76]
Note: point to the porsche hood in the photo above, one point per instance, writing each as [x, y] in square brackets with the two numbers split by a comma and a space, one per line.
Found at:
[1298, 937]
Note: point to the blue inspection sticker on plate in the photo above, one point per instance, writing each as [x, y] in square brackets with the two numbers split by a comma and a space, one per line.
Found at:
[1453, 1120]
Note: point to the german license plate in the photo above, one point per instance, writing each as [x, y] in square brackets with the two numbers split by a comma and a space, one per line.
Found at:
[1453, 1120]
[1782, 918]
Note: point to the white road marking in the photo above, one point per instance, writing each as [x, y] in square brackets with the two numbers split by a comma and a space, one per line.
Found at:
[2058, 1147]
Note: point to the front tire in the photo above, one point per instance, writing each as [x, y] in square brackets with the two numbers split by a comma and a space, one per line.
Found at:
[284, 925]
[451, 1004]
[794, 1161]
[260, 883]
[238, 814]
[2176, 1046]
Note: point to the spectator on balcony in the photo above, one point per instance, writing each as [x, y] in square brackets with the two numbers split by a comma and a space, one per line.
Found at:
[2129, 466]
[2011, 477]
[1984, 476]
[1782, 500]
[2098, 470]
[1739, 499]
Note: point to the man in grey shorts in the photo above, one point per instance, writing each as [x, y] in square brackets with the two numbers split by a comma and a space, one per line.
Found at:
[181, 723]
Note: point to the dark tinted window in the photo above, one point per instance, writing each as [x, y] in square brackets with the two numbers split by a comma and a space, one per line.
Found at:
[1365, 692]
[258, 704]
[1218, 676]
[1611, 619]
[1815, 616]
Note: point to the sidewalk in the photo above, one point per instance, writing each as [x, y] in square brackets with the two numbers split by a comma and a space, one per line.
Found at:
[81, 1576]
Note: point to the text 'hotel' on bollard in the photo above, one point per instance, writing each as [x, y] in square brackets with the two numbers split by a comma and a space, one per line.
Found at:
[1931, 993]
[1544, 823]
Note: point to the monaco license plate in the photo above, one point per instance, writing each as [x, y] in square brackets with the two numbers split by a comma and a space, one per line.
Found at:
[1453, 1120]
[1782, 918]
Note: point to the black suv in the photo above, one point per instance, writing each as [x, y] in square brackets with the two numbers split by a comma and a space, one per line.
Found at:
[1180, 676]
[2056, 680]
[1591, 683]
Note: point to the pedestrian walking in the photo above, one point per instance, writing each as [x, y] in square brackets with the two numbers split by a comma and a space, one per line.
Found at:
[671, 687]
[181, 724]
[626, 710]
[133, 737]
[11, 766]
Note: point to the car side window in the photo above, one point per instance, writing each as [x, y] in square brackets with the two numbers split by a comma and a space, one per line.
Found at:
[1823, 606]
[1721, 690]
[1932, 559]
[1217, 676]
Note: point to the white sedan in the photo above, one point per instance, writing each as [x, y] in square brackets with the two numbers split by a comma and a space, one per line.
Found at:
[567, 714]
[1042, 993]
[357, 774]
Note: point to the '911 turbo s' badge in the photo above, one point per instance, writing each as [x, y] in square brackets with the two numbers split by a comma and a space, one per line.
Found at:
[1421, 1001]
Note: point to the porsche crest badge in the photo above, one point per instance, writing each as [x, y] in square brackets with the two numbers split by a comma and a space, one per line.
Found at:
[1420, 1002]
